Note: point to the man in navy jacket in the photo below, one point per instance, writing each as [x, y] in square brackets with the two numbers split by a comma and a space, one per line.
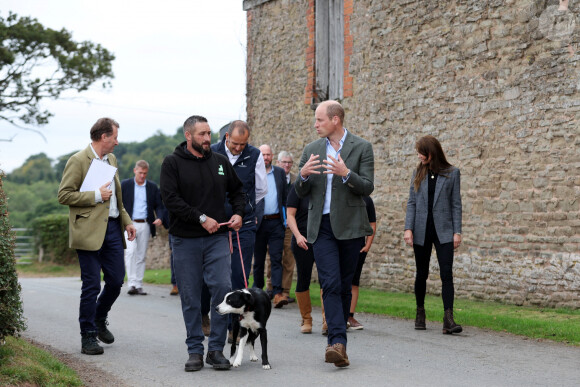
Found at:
[142, 200]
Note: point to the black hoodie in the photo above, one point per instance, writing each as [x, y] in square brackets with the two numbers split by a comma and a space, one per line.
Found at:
[192, 186]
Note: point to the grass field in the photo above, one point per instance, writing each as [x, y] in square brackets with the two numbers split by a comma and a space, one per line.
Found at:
[23, 364]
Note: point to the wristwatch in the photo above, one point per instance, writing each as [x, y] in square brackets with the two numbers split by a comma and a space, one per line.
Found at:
[202, 218]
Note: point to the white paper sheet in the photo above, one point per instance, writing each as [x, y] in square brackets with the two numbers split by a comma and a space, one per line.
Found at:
[99, 173]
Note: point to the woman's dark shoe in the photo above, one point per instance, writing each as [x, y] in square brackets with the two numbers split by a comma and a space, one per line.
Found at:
[449, 325]
[420, 319]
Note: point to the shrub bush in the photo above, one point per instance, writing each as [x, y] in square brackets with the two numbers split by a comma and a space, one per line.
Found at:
[11, 317]
[51, 233]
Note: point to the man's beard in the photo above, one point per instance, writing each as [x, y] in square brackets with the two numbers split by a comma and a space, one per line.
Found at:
[200, 148]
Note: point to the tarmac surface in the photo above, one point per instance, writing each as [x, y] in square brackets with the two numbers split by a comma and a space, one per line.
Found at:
[150, 350]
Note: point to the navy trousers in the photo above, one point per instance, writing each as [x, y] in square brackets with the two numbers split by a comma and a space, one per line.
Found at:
[247, 240]
[336, 262]
[269, 238]
[110, 259]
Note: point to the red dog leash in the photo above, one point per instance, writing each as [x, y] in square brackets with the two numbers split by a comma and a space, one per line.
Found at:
[239, 248]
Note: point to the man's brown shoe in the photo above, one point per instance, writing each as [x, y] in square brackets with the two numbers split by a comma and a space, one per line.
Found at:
[174, 291]
[354, 324]
[336, 354]
[280, 300]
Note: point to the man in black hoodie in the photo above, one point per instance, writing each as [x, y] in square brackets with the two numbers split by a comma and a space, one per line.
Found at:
[194, 184]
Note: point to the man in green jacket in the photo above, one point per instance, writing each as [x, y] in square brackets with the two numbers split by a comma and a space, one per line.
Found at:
[97, 219]
[337, 171]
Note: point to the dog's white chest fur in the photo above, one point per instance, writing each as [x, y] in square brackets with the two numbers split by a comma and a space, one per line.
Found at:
[248, 322]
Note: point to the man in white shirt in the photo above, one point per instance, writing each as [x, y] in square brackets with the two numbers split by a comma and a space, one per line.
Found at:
[142, 200]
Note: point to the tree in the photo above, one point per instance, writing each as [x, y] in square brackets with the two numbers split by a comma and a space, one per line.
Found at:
[38, 62]
[36, 168]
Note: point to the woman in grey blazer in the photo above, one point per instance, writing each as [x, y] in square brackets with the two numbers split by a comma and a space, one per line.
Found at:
[434, 218]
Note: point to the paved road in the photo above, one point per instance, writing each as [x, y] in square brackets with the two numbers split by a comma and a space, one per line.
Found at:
[150, 351]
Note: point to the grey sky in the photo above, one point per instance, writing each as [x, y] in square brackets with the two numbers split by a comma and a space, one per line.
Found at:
[174, 58]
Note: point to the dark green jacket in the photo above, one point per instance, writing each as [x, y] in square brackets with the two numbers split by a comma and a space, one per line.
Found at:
[348, 215]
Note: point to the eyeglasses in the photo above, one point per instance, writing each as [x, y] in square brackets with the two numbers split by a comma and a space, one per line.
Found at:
[287, 162]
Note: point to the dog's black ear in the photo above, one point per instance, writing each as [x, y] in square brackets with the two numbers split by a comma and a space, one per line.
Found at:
[249, 300]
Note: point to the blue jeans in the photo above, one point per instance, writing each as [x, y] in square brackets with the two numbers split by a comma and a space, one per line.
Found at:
[269, 238]
[247, 239]
[199, 260]
[110, 258]
[336, 262]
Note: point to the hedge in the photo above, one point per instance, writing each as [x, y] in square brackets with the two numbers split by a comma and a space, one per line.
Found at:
[51, 233]
[11, 317]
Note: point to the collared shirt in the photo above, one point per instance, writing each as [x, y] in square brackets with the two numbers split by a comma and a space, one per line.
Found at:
[140, 201]
[113, 209]
[260, 175]
[271, 200]
[334, 153]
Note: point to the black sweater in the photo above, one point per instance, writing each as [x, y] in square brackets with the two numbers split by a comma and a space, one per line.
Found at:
[191, 186]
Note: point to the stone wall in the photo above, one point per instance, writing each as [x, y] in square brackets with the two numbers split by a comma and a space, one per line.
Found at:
[497, 89]
[158, 252]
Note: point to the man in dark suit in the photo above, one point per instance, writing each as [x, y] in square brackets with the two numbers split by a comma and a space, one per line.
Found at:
[97, 219]
[337, 171]
[142, 200]
[285, 161]
[270, 234]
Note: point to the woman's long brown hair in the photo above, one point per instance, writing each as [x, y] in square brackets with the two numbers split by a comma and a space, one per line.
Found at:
[429, 146]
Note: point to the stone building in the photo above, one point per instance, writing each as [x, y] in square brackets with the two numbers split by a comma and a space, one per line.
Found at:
[496, 81]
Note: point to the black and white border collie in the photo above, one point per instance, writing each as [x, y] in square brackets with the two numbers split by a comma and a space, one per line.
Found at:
[250, 309]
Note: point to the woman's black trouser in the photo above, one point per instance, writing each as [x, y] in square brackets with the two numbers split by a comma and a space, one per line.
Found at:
[445, 258]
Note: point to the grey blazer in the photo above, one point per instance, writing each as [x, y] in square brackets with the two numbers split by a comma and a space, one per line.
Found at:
[446, 208]
[348, 213]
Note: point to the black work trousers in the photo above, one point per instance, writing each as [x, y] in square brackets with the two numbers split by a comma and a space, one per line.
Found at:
[445, 257]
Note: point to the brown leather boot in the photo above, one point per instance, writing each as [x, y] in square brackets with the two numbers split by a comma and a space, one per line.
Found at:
[449, 325]
[420, 319]
[280, 300]
[336, 354]
[303, 299]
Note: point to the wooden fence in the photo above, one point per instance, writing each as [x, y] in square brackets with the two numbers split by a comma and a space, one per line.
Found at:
[24, 249]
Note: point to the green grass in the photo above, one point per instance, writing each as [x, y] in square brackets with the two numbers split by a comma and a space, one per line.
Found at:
[47, 269]
[561, 325]
[21, 363]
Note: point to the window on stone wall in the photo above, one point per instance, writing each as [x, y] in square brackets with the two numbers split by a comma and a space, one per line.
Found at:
[329, 49]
